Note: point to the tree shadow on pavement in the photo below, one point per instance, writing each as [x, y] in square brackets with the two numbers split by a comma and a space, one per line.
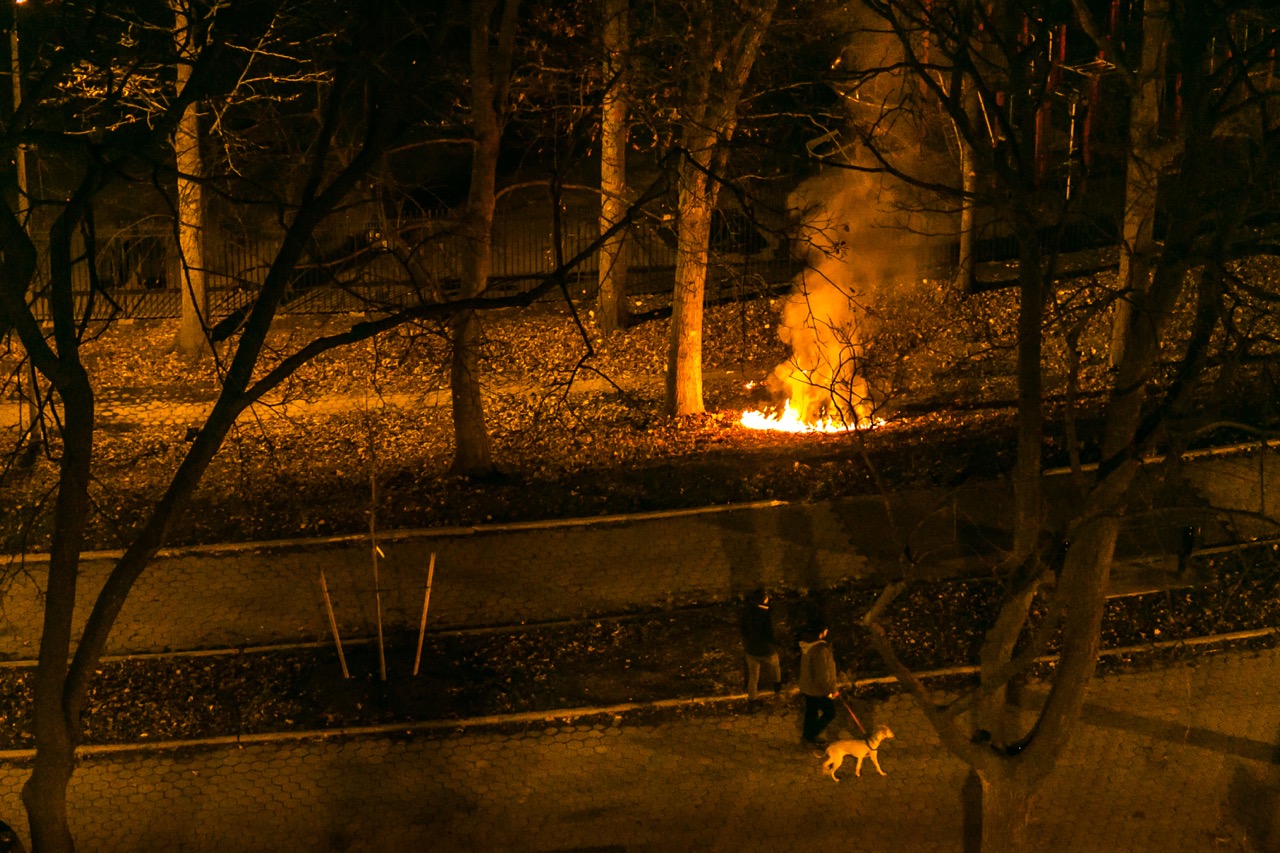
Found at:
[1252, 797]
[1253, 794]
[1253, 800]
[971, 809]
[1178, 733]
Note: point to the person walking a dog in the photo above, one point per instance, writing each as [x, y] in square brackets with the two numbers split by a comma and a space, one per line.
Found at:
[758, 643]
[817, 684]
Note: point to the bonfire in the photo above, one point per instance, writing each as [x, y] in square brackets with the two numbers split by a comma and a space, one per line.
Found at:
[790, 420]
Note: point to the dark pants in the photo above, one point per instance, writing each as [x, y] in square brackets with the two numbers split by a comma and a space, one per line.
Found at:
[819, 711]
[773, 672]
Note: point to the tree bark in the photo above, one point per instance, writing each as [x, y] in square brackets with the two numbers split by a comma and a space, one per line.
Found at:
[490, 77]
[192, 339]
[684, 350]
[966, 263]
[45, 797]
[1027, 486]
[709, 117]
[54, 724]
[1142, 172]
[1006, 809]
[613, 262]
[473, 451]
[998, 647]
[45, 793]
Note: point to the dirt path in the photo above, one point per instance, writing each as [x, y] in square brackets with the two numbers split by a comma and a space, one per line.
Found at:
[140, 409]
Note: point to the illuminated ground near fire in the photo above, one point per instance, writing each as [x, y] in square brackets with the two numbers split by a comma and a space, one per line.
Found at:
[789, 421]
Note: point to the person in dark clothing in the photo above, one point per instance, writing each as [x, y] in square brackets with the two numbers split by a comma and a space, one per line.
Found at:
[817, 685]
[756, 623]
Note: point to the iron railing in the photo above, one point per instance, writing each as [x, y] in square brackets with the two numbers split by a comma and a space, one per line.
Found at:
[140, 272]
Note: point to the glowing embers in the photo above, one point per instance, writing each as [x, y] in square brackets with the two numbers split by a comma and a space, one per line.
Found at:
[789, 421]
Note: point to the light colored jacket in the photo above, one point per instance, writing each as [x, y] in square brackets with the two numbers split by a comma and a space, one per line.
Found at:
[817, 669]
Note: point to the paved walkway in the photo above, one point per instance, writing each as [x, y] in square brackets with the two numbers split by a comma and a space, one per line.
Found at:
[1180, 759]
[262, 593]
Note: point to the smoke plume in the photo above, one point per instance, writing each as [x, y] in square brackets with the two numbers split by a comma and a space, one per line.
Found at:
[855, 236]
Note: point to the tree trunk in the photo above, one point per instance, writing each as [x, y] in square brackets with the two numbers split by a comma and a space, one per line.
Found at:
[1027, 483]
[22, 204]
[966, 264]
[684, 352]
[613, 262]
[35, 440]
[473, 452]
[192, 341]
[490, 76]
[55, 724]
[997, 650]
[710, 116]
[1007, 800]
[1142, 173]
[45, 793]
[45, 797]
[1011, 782]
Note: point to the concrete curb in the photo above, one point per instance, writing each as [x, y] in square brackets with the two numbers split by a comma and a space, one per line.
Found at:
[1205, 453]
[571, 714]
[548, 524]
[405, 535]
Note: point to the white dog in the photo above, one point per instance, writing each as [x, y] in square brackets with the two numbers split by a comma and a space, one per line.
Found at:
[859, 749]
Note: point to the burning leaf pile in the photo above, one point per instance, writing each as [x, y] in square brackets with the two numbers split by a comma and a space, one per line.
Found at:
[790, 420]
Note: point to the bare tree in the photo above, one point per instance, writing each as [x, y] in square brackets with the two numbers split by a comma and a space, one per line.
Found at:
[492, 50]
[613, 262]
[96, 152]
[1146, 157]
[369, 58]
[160, 44]
[1001, 54]
[189, 202]
[723, 44]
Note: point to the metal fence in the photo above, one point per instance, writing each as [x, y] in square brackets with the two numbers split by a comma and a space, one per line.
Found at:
[139, 272]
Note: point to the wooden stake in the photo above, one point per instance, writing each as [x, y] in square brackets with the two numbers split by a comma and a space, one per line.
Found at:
[333, 623]
[374, 550]
[426, 600]
[377, 586]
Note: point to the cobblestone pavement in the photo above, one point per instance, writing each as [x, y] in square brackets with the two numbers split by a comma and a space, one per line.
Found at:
[1178, 759]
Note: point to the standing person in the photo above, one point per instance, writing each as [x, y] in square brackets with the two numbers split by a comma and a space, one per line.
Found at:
[758, 642]
[817, 684]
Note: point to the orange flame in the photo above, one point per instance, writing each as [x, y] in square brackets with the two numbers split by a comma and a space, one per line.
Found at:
[789, 421]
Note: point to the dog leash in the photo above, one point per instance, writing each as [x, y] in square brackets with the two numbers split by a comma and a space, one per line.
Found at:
[851, 714]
